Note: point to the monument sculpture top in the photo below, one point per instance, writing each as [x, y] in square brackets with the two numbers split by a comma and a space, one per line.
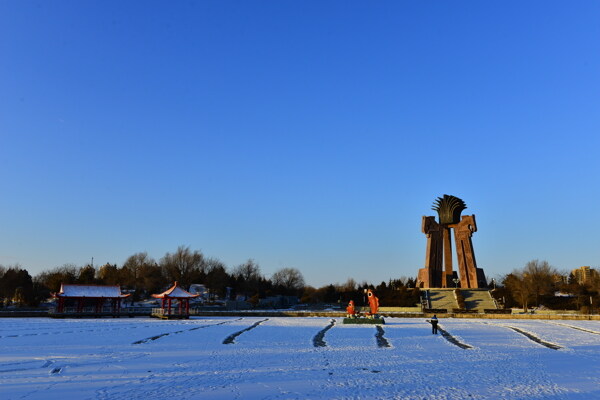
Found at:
[449, 209]
[438, 271]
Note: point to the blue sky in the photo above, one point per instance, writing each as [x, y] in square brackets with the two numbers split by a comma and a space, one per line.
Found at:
[302, 134]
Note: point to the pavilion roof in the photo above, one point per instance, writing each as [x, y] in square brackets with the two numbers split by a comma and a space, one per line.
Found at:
[175, 292]
[97, 291]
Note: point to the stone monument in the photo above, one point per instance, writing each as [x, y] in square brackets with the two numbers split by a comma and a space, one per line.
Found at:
[438, 271]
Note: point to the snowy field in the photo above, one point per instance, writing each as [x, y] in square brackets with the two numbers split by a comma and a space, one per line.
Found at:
[297, 358]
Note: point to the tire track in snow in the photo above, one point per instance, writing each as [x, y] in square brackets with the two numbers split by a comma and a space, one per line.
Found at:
[22, 366]
[156, 337]
[530, 336]
[231, 338]
[575, 327]
[95, 330]
[319, 339]
[535, 338]
[453, 340]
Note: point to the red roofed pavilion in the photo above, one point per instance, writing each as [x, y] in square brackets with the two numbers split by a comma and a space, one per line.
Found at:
[183, 303]
[88, 300]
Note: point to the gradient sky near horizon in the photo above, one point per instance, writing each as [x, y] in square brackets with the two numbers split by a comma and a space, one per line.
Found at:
[305, 134]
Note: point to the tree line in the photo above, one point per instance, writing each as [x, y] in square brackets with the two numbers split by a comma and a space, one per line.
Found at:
[536, 284]
[142, 276]
[540, 284]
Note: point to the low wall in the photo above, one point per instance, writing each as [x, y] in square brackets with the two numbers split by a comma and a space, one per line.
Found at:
[398, 309]
[125, 312]
[582, 317]
[334, 314]
[519, 311]
[258, 313]
[331, 314]
[23, 314]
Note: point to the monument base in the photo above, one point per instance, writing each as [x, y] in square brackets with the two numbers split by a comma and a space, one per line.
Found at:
[364, 320]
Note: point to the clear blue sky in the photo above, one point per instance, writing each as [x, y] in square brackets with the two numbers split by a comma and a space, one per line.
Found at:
[304, 134]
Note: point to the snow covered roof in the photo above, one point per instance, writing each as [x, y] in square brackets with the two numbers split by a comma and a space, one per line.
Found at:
[175, 292]
[90, 291]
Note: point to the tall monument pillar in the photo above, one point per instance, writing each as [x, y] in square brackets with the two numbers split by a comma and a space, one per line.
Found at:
[432, 273]
[448, 273]
[438, 271]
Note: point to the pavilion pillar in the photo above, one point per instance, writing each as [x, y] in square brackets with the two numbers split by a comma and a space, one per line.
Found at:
[187, 306]
[169, 302]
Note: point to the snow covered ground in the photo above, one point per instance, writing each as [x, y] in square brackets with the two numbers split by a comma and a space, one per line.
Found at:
[286, 358]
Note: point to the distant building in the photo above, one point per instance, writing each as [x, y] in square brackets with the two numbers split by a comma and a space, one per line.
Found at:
[559, 278]
[88, 300]
[584, 275]
[200, 290]
[278, 302]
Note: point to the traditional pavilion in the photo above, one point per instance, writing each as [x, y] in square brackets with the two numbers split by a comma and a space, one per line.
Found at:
[88, 300]
[167, 311]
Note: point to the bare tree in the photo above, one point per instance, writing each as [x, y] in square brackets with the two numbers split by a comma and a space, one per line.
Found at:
[132, 267]
[182, 265]
[349, 286]
[52, 279]
[519, 288]
[290, 279]
[247, 271]
[248, 277]
[537, 278]
[540, 277]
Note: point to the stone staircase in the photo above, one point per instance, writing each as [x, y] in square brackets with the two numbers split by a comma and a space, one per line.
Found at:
[475, 299]
[478, 299]
[443, 298]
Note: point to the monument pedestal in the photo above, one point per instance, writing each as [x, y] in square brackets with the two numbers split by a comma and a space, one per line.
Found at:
[365, 320]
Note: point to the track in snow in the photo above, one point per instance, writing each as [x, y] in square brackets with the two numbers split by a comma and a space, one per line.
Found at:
[453, 340]
[529, 336]
[153, 338]
[536, 339]
[319, 339]
[231, 338]
[381, 340]
[576, 327]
